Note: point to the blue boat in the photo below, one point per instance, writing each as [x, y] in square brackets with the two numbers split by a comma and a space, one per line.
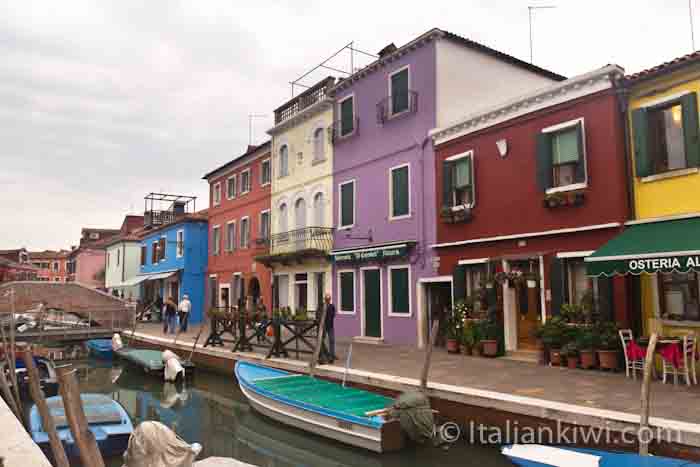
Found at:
[107, 419]
[536, 455]
[48, 382]
[100, 348]
[320, 407]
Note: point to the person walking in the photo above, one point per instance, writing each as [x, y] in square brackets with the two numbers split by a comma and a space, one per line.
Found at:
[170, 315]
[329, 352]
[184, 309]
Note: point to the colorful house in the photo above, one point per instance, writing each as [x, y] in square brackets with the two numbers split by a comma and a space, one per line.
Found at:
[123, 257]
[239, 224]
[52, 265]
[660, 248]
[301, 201]
[173, 256]
[385, 274]
[86, 263]
[530, 187]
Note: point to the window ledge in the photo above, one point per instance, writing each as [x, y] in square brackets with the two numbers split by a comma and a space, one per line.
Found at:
[399, 218]
[462, 207]
[318, 161]
[346, 227]
[670, 174]
[689, 324]
[562, 189]
[340, 312]
[264, 184]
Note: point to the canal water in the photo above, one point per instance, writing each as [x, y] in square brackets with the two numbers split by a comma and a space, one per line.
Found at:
[212, 411]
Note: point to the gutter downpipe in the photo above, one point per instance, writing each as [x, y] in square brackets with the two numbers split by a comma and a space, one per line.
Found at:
[622, 94]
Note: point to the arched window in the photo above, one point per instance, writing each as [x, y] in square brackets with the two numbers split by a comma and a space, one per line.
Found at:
[284, 161]
[300, 213]
[318, 210]
[319, 147]
[283, 219]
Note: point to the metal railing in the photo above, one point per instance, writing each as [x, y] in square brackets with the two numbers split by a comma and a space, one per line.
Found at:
[152, 218]
[336, 132]
[308, 98]
[294, 241]
[399, 104]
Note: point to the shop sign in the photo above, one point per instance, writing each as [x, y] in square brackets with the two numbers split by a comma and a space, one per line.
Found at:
[371, 255]
[679, 263]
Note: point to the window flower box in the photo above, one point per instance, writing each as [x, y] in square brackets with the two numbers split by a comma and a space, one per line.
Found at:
[563, 199]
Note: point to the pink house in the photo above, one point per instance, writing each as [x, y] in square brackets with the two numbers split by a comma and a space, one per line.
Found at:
[86, 263]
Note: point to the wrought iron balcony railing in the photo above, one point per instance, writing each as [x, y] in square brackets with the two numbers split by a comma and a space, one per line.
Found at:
[337, 131]
[398, 104]
[312, 240]
[157, 218]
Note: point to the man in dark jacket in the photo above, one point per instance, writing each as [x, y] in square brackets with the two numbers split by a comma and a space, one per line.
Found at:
[329, 352]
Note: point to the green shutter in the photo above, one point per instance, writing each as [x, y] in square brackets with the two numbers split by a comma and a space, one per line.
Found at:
[640, 125]
[447, 184]
[557, 281]
[347, 119]
[581, 166]
[544, 161]
[606, 297]
[400, 191]
[347, 291]
[399, 92]
[399, 291]
[347, 195]
[690, 129]
[459, 283]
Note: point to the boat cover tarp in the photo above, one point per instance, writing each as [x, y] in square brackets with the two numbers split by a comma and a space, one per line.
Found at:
[99, 409]
[413, 411]
[153, 444]
[173, 367]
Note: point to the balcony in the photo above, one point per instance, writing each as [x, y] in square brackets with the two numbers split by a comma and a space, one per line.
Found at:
[394, 106]
[161, 209]
[314, 94]
[295, 245]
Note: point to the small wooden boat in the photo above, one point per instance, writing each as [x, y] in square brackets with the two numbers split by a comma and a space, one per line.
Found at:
[107, 419]
[321, 407]
[151, 361]
[100, 348]
[47, 376]
[536, 455]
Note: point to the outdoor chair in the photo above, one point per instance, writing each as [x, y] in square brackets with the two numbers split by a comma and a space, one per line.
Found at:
[631, 364]
[687, 368]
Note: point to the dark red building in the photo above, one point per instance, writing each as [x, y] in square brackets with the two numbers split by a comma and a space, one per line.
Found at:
[530, 188]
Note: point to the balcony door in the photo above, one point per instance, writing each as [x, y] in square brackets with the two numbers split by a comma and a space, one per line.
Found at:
[300, 216]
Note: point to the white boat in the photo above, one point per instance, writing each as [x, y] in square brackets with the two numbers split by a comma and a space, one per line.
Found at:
[320, 407]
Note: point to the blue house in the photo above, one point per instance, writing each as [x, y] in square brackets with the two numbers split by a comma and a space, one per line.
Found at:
[174, 252]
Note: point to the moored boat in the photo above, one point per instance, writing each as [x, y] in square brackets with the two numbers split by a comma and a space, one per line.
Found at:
[321, 407]
[536, 455]
[100, 348]
[47, 376]
[151, 361]
[107, 420]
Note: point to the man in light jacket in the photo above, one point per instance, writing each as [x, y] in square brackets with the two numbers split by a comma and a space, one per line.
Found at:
[184, 309]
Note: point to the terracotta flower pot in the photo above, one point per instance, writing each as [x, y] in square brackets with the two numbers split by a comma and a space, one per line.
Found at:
[608, 359]
[490, 348]
[467, 350]
[452, 345]
[572, 362]
[587, 359]
[555, 357]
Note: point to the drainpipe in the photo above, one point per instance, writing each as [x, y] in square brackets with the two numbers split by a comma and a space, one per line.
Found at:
[622, 94]
[421, 226]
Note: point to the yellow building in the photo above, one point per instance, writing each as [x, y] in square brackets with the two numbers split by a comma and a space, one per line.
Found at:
[302, 203]
[662, 245]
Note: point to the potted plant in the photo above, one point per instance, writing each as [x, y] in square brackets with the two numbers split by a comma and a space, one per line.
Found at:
[489, 339]
[539, 344]
[552, 335]
[453, 338]
[570, 351]
[586, 344]
[469, 338]
[608, 346]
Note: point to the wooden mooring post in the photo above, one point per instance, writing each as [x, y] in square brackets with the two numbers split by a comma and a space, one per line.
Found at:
[319, 343]
[428, 356]
[73, 406]
[644, 418]
[59, 454]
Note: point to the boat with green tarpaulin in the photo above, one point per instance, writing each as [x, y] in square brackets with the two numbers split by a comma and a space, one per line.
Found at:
[151, 361]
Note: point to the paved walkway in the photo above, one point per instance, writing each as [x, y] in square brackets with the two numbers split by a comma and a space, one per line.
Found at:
[589, 388]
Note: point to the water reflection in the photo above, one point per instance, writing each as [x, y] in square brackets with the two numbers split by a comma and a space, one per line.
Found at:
[212, 411]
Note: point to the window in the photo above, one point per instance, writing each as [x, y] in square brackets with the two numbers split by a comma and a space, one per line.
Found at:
[458, 181]
[230, 241]
[55, 266]
[581, 287]
[282, 290]
[398, 88]
[231, 187]
[119, 254]
[264, 225]
[144, 254]
[399, 290]
[561, 156]
[180, 239]
[215, 240]
[161, 248]
[318, 210]
[319, 146]
[666, 136]
[400, 199]
[347, 116]
[346, 291]
[245, 232]
[265, 172]
[301, 291]
[154, 253]
[347, 204]
[245, 181]
[108, 255]
[216, 194]
[283, 221]
[284, 161]
[678, 296]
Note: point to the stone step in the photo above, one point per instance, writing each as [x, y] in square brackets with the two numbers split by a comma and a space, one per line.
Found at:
[528, 356]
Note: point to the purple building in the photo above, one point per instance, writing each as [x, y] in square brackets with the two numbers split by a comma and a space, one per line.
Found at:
[384, 268]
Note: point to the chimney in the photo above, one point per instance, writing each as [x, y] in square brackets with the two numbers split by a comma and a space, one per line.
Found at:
[251, 147]
[391, 48]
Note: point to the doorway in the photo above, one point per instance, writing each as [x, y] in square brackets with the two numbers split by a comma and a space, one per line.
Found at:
[439, 302]
[224, 295]
[319, 279]
[372, 302]
[526, 303]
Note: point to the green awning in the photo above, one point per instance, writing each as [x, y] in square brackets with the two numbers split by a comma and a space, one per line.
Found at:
[650, 247]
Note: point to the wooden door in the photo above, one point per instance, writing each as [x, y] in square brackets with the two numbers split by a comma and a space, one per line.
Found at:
[372, 302]
[527, 305]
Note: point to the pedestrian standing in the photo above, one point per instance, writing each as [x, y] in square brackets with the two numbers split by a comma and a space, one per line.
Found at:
[184, 309]
[170, 315]
[329, 330]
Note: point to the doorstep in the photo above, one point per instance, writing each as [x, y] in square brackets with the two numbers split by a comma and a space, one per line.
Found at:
[368, 340]
[525, 356]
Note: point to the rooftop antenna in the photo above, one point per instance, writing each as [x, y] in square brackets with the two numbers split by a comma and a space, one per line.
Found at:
[530, 9]
[692, 29]
[250, 126]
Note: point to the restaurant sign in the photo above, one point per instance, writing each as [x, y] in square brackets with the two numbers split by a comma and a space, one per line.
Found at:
[370, 254]
[677, 263]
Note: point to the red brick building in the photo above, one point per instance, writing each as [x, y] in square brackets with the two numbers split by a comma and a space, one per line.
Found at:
[52, 265]
[239, 223]
[530, 188]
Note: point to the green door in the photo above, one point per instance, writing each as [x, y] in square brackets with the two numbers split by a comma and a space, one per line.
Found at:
[373, 304]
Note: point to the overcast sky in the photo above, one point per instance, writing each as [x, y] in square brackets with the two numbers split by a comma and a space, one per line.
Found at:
[102, 102]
